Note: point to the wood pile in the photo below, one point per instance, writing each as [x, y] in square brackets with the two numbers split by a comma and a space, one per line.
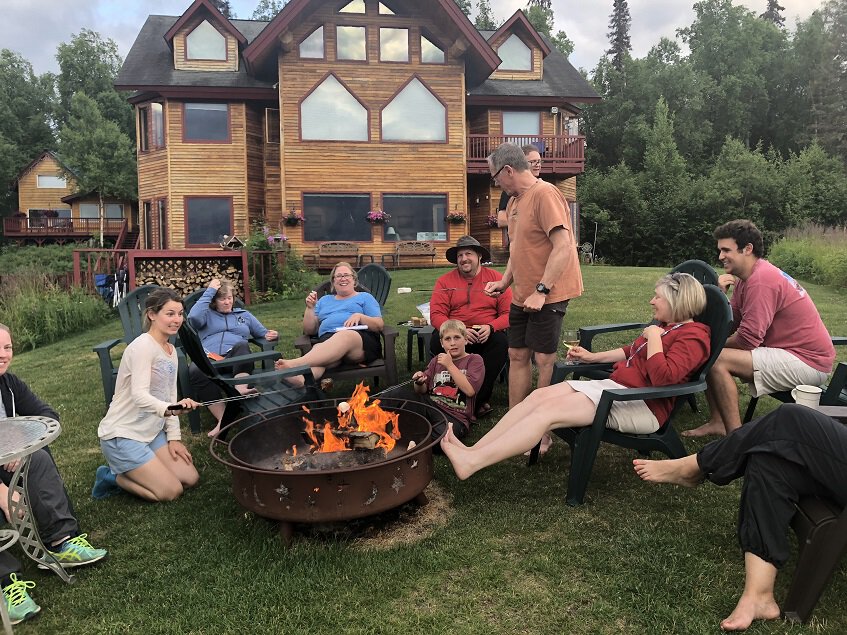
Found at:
[186, 275]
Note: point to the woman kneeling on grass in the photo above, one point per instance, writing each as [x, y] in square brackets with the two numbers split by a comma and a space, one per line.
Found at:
[140, 434]
[665, 354]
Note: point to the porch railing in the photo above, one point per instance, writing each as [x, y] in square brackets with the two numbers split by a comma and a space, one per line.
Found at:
[14, 227]
[560, 154]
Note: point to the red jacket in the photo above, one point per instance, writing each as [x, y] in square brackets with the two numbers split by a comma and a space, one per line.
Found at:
[456, 298]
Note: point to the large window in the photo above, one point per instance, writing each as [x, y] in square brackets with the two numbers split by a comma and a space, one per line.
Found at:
[515, 54]
[331, 113]
[313, 46]
[415, 114]
[143, 128]
[205, 43]
[350, 43]
[430, 53]
[92, 210]
[394, 45]
[336, 216]
[206, 122]
[207, 220]
[157, 126]
[51, 181]
[415, 216]
[522, 124]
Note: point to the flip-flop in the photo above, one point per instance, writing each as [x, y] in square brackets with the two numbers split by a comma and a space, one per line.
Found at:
[484, 410]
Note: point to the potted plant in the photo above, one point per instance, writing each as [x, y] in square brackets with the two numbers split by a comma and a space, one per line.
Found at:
[293, 218]
[491, 221]
[377, 217]
[456, 218]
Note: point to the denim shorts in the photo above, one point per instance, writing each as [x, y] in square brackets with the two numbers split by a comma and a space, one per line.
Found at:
[124, 455]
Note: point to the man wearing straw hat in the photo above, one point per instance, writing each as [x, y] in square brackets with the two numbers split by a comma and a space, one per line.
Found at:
[460, 295]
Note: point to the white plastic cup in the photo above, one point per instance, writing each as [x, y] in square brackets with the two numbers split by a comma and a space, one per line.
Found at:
[809, 396]
[404, 289]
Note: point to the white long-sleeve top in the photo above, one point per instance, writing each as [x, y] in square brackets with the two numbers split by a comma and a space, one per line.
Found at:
[145, 387]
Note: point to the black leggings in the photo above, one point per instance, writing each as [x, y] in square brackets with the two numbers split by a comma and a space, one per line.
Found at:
[790, 453]
[203, 388]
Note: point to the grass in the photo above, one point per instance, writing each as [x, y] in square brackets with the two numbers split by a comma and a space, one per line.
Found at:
[509, 557]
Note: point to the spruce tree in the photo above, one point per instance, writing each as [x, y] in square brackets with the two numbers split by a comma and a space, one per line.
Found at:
[466, 6]
[772, 13]
[618, 34]
[484, 18]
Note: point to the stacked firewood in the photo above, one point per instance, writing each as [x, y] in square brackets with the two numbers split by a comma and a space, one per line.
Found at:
[186, 275]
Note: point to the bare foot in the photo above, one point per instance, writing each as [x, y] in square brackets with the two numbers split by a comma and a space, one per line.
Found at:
[458, 458]
[710, 427]
[450, 437]
[244, 389]
[684, 471]
[546, 443]
[750, 608]
[215, 431]
[295, 381]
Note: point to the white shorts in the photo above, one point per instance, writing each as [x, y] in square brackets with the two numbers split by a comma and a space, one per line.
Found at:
[775, 369]
[632, 417]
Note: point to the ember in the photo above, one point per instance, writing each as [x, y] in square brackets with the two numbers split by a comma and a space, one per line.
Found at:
[361, 425]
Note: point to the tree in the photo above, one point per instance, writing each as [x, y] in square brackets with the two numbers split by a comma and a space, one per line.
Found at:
[619, 22]
[266, 10]
[563, 43]
[484, 17]
[772, 13]
[101, 156]
[466, 6]
[540, 16]
[89, 64]
[224, 7]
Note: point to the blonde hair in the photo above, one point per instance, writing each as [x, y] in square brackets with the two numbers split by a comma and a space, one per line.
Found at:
[332, 275]
[684, 294]
[226, 288]
[453, 325]
[156, 301]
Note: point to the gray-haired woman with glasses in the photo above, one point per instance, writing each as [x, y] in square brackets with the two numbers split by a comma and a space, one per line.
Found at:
[667, 352]
[347, 323]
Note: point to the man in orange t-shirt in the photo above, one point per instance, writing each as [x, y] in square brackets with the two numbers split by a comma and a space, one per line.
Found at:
[544, 275]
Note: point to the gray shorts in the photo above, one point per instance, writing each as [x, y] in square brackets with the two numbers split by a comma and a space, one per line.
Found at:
[775, 369]
[124, 455]
[632, 417]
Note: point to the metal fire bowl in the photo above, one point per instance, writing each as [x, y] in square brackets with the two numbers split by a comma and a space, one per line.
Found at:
[260, 484]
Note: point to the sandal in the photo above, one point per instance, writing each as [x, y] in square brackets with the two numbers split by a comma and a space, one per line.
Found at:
[484, 410]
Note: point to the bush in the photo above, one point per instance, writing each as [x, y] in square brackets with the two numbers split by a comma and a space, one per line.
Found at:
[47, 258]
[813, 252]
[38, 312]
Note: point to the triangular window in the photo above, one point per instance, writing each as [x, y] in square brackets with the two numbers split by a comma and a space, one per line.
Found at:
[415, 114]
[313, 46]
[383, 10]
[356, 6]
[331, 112]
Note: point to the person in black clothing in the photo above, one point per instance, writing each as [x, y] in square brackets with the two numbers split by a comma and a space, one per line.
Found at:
[792, 452]
[51, 507]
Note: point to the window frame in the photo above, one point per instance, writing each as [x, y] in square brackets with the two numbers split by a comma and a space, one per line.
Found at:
[425, 35]
[185, 56]
[303, 196]
[144, 128]
[152, 143]
[388, 102]
[540, 124]
[531, 68]
[58, 177]
[446, 196]
[323, 44]
[367, 48]
[185, 202]
[226, 141]
[408, 45]
[354, 95]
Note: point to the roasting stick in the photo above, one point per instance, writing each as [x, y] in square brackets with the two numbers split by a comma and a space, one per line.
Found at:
[176, 406]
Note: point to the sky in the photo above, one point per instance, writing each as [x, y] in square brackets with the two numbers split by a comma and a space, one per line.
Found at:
[34, 28]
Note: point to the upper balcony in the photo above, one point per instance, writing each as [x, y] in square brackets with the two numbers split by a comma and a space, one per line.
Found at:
[562, 155]
[43, 229]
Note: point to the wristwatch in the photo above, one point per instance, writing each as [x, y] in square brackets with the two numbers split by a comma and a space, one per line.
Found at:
[541, 288]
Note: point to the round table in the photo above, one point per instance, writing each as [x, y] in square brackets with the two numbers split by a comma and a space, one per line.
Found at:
[20, 438]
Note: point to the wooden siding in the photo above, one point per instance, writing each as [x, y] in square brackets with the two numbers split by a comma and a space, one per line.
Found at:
[374, 167]
[536, 56]
[30, 196]
[154, 181]
[183, 64]
[255, 156]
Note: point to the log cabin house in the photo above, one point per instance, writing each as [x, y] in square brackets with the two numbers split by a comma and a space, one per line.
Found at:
[336, 108]
[50, 210]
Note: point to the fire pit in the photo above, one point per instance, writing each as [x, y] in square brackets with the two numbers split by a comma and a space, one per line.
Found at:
[276, 473]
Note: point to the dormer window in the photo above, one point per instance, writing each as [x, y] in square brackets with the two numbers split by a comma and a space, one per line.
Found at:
[415, 114]
[356, 6]
[313, 46]
[350, 43]
[205, 42]
[430, 53]
[394, 45]
[516, 55]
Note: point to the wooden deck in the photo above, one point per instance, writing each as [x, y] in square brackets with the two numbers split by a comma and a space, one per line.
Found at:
[560, 155]
[59, 229]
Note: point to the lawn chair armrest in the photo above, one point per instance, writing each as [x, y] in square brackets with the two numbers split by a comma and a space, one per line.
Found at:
[588, 333]
[265, 345]
[251, 358]
[274, 375]
[562, 370]
[107, 367]
[389, 335]
[303, 343]
[839, 341]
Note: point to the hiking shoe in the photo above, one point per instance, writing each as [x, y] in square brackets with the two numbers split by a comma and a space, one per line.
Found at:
[105, 484]
[18, 603]
[76, 552]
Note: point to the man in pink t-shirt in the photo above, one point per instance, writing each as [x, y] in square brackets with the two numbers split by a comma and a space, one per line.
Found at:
[778, 339]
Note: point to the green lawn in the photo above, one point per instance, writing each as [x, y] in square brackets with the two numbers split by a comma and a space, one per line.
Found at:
[500, 553]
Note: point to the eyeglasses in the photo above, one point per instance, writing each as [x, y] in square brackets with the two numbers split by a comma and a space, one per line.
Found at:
[536, 163]
[340, 276]
[496, 174]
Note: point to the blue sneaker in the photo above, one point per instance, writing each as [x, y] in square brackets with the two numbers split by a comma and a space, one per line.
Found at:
[18, 603]
[105, 484]
[77, 552]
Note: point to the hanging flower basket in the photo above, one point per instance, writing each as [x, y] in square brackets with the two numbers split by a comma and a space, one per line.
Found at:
[377, 217]
[456, 218]
[491, 221]
[293, 219]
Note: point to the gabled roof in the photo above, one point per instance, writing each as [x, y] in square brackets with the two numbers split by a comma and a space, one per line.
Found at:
[514, 24]
[203, 6]
[32, 164]
[559, 83]
[483, 60]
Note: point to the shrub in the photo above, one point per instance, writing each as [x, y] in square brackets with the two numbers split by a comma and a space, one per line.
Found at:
[38, 312]
[813, 252]
[47, 258]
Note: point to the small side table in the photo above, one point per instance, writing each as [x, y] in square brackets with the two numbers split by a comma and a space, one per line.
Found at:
[424, 335]
[20, 438]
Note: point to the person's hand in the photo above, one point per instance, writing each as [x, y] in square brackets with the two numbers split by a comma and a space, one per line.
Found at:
[420, 377]
[354, 320]
[311, 300]
[11, 466]
[725, 281]
[652, 330]
[535, 302]
[579, 354]
[182, 404]
[271, 335]
[215, 284]
[473, 335]
[494, 288]
[483, 332]
[178, 451]
[446, 360]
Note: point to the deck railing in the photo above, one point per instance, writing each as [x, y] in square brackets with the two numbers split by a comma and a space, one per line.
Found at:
[15, 227]
[560, 154]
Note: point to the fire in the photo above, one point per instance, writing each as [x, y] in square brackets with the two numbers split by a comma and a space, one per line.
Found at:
[359, 416]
